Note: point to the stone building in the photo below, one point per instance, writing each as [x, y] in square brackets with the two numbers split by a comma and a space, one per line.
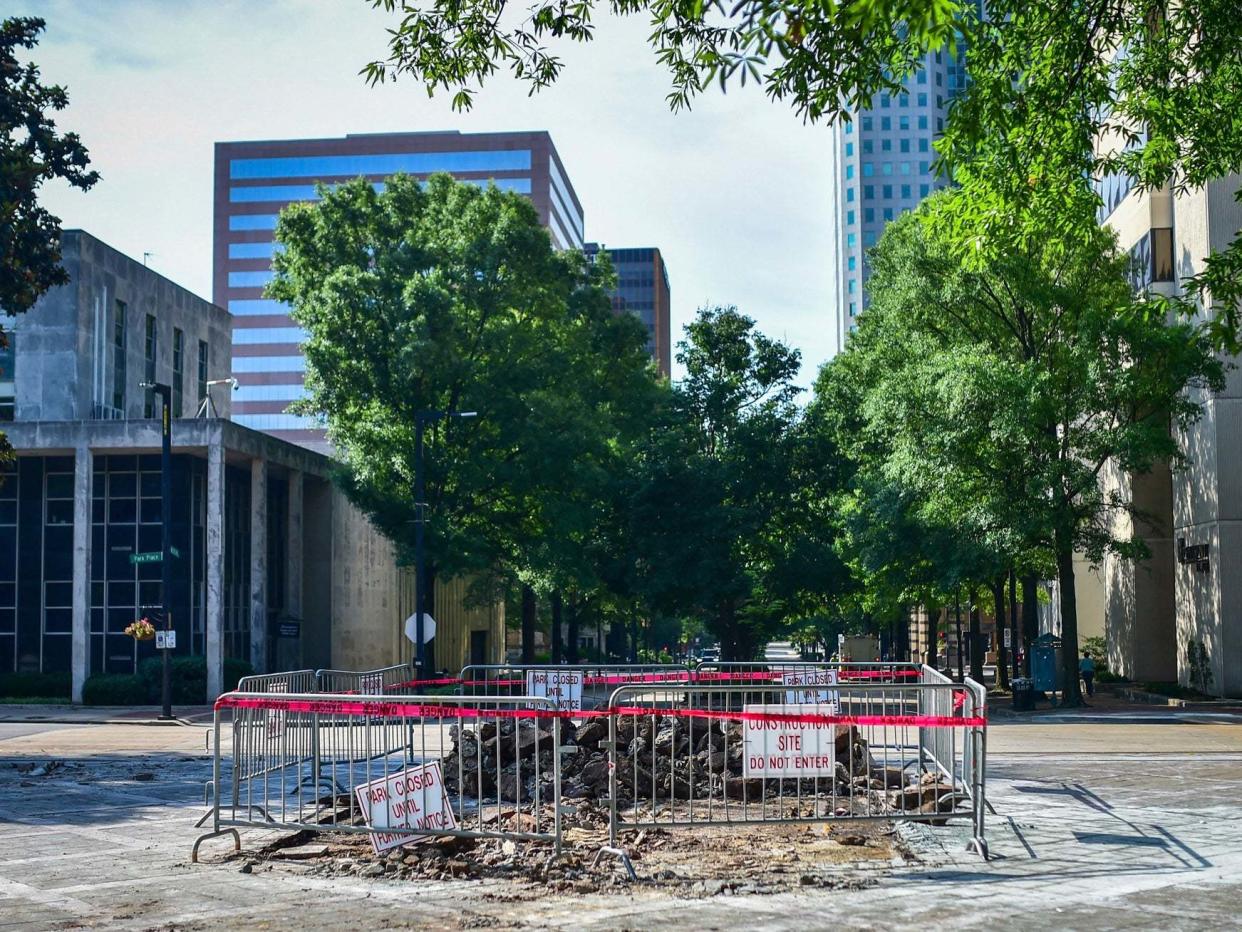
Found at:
[274, 566]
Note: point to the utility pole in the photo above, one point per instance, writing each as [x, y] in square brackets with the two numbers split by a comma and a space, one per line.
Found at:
[421, 419]
[165, 393]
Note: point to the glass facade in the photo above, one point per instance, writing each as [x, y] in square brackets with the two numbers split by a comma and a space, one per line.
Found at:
[414, 163]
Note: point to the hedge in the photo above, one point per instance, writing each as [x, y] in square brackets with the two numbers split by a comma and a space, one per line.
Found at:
[36, 685]
[188, 681]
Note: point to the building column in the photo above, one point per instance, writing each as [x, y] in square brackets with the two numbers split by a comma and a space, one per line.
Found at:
[293, 547]
[83, 474]
[258, 565]
[214, 647]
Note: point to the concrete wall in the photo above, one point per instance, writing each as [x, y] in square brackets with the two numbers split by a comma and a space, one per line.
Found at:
[65, 358]
[366, 619]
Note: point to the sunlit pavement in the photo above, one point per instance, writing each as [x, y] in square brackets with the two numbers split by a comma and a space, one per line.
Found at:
[1098, 824]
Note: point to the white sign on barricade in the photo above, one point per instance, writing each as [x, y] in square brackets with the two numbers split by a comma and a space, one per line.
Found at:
[564, 687]
[413, 798]
[371, 684]
[808, 691]
[787, 749]
[276, 717]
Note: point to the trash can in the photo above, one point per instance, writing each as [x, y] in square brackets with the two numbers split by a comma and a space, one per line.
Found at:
[1023, 694]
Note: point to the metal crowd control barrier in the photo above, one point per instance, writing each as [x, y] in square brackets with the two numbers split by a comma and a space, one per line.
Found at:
[796, 752]
[481, 767]
[594, 682]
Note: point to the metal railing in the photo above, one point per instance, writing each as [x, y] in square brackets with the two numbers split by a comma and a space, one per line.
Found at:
[843, 752]
[482, 767]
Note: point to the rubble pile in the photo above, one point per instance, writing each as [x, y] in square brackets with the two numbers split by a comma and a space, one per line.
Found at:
[666, 758]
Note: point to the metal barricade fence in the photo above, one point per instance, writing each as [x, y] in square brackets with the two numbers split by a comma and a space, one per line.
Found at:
[759, 752]
[592, 682]
[293, 728]
[482, 767]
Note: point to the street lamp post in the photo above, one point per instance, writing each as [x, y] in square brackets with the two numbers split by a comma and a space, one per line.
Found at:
[165, 393]
[420, 589]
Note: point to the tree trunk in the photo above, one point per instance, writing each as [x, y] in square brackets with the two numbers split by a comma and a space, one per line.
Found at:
[957, 630]
[933, 637]
[572, 634]
[1071, 697]
[976, 638]
[528, 624]
[429, 603]
[1030, 618]
[1002, 656]
[1013, 620]
[634, 637]
[557, 644]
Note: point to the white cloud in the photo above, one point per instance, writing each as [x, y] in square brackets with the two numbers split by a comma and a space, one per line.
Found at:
[734, 192]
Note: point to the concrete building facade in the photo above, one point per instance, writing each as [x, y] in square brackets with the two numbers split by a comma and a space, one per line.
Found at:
[255, 180]
[275, 568]
[643, 290]
[1178, 615]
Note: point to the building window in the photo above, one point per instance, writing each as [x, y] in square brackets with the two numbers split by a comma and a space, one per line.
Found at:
[868, 169]
[853, 288]
[849, 171]
[849, 128]
[906, 192]
[8, 390]
[905, 145]
[849, 148]
[869, 192]
[888, 191]
[849, 217]
[868, 146]
[884, 102]
[888, 214]
[922, 98]
[905, 168]
[202, 370]
[923, 78]
[849, 195]
[903, 100]
[886, 123]
[1162, 254]
[150, 348]
[886, 145]
[869, 238]
[869, 215]
[118, 359]
[922, 121]
[924, 190]
[851, 240]
[178, 379]
[903, 122]
[866, 121]
[853, 308]
[886, 168]
[923, 145]
[851, 263]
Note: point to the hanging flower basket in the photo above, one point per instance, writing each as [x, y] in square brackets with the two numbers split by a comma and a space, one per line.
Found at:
[141, 630]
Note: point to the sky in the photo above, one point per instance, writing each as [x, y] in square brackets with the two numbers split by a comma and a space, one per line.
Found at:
[735, 192]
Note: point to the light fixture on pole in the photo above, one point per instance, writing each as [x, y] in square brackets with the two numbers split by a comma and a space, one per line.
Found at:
[165, 393]
[420, 589]
[207, 407]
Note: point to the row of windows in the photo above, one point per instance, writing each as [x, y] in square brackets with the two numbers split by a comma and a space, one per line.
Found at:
[250, 279]
[886, 145]
[869, 239]
[252, 222]
[414, 163]
[886, 123]
[290, 392]
[254, 250]
[150, 407]
[888, 191]
[561, 198]
[243, 336]
[869, 216]
[307, 192]
[257, 306]
[269, 364]
[277, 422]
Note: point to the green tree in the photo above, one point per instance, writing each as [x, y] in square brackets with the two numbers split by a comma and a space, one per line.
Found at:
[31, 152]
[1005, 390]
[448, 297]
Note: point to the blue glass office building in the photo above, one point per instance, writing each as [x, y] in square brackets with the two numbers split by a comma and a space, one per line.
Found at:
[254, 180]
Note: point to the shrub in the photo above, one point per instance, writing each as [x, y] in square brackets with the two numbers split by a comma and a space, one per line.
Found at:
[37, 685]
[234, 670]
[114, 689]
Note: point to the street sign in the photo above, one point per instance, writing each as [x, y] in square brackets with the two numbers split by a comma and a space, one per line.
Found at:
[153, 556]
[165, 640]
[411, 628]
[412, 798]
[810, 691]
[564, 687]
[773, 748]
[1008, 638]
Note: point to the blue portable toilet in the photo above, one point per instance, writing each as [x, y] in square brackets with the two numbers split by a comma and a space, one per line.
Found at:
[1046, 663]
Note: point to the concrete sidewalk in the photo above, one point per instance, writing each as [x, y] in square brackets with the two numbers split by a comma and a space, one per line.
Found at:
[102, 715]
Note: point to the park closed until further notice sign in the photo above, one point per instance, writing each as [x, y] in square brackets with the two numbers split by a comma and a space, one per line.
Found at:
[788, 748]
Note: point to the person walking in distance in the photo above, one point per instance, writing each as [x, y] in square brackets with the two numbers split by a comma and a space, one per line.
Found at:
[1086, 667]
